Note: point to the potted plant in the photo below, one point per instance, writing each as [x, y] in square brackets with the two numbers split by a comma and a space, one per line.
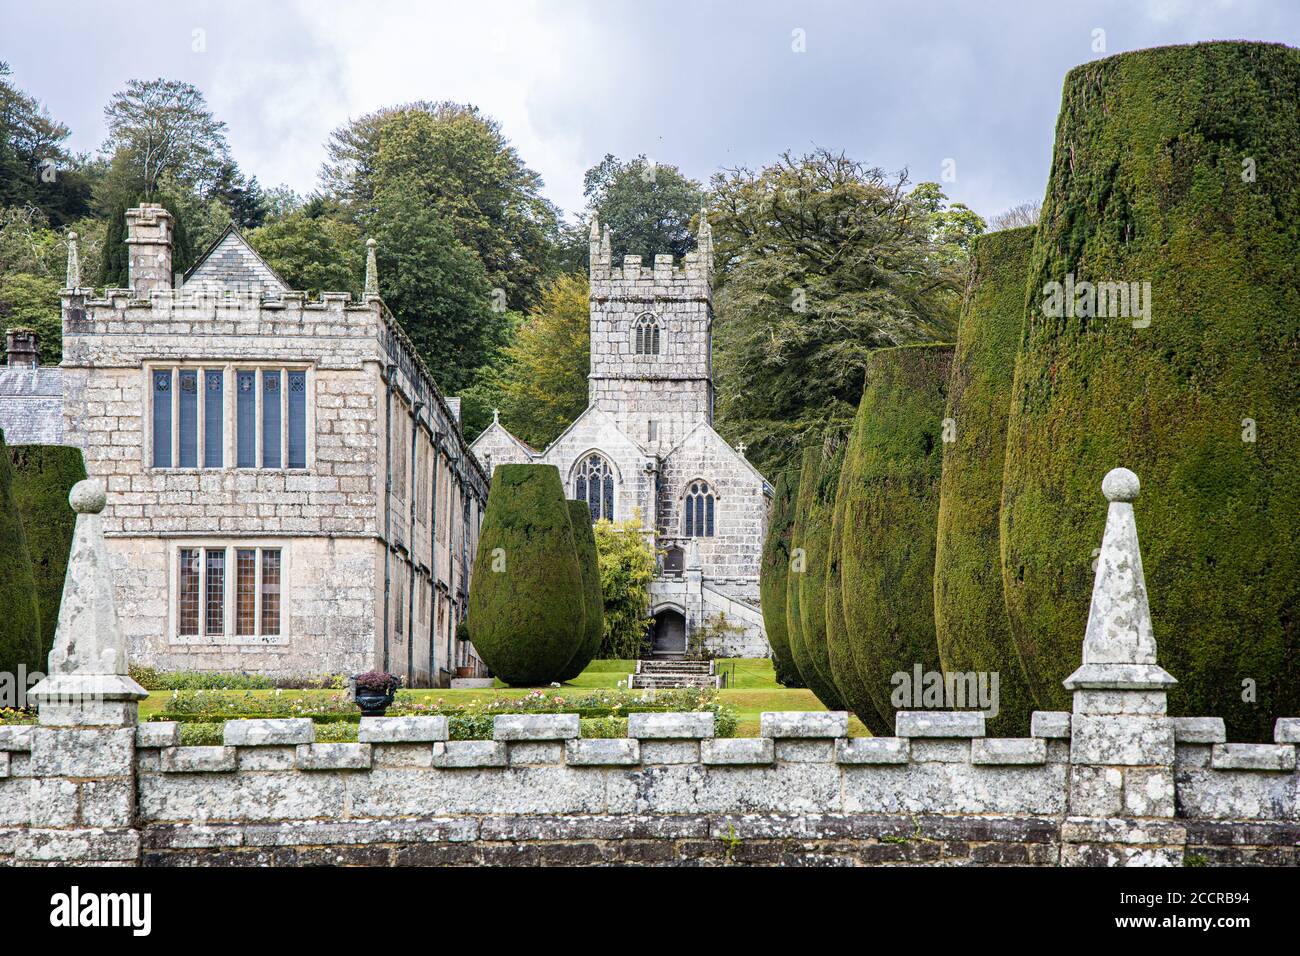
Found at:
[375, 691]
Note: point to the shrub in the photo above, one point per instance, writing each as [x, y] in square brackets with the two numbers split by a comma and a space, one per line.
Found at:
[42, 477]
[525, 605]
[592, 600]
[20, 625]
[890, 502]
[774, 573]
[627, 566]
[807, 646]
[1175, 166]
[970, 613]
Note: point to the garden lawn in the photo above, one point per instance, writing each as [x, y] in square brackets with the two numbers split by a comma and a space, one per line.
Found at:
[754, 690]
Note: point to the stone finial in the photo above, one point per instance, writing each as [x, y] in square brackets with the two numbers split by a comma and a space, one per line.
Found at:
[89, 655]
[595, 228]
[1119, 647]
[693, 562]
[496, 416]
[704, 238]
[606, 256]
[73, 280]
[372, 270]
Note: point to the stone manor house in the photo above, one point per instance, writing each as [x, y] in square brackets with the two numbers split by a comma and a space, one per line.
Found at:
[288, 491]
[645, 449]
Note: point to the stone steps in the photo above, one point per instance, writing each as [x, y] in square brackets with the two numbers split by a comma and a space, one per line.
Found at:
[655, 674]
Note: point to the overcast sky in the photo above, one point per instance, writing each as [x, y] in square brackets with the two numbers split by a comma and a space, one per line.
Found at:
[701, 85]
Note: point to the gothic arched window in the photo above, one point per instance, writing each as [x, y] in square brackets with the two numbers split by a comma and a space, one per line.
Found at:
[646, 335]
[698, 517]
[594, 484]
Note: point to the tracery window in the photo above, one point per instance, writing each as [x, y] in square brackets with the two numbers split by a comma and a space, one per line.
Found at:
[594, 484]
[698, 517]
[646, 335]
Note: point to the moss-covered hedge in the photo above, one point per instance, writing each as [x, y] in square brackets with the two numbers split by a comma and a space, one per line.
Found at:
[774, 572]
[20, 625]
[1174, 166]
[890, 505]
[592, 600]
[526, 608]
[820, 505]
[42, 477]
[809, 656]
[970, 614]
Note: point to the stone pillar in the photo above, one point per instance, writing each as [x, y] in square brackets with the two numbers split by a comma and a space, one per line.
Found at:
[1121, 798]
[149, 248]
[83, 807]
[22, 348]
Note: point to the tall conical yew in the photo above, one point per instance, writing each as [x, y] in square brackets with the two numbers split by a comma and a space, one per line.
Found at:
[526, 611]
[890, 503]
[773, 576]
[42, 477]
[20, 625]
[807, 570]
[970, 613]
[1173, 180]
[592, 600]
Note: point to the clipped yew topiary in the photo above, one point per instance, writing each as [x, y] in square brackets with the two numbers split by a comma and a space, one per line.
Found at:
[774, 572]
[807, 570]
[20, 626]
[526, 607]
[1175, 167]
[890, 505]
[839, 650]
[592, 600]
[42, 477]
[970, 614]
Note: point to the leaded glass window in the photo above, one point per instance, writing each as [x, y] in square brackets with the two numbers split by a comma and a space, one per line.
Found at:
[594, 484]
[698, 518]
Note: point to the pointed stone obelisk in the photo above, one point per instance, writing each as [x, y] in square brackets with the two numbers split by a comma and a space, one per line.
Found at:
[1121, 741]
[73, 277]
[83, 749]
[372, 270]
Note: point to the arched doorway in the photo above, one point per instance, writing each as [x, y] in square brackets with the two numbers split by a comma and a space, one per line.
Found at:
[674, 561]
[668, 634]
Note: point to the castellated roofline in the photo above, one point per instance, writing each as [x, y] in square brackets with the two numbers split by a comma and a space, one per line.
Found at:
[696, 268]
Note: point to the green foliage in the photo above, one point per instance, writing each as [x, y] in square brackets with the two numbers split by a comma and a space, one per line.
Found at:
[647, 206]
[437, 289]
[36, 170]
[820, 260]
[42, 477]
[773, 577]
[813, 583]
[543, 384]
[970, 614]
[454, 161]
[593, 603]
[808, 644]
[1150, 181]
[889, 503]
[627, 566]
[20, 624]
[313, 254]
[32, 302]
[526, 602]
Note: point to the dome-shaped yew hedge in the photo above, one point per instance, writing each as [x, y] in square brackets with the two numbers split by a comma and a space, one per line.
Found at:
[816, 675]
[970, 614]
[1175, 167]
[889, 504]
[526, 611]
[774, 571]
[593, 601]
[20, 626]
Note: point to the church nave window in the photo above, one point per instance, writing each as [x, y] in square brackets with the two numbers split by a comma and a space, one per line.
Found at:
[594, 484]
[698, 517]
[646, 335]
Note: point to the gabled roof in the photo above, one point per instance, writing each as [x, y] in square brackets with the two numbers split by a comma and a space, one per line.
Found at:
[710, 432]
[496, 426]
[232, 262]
[31, 405]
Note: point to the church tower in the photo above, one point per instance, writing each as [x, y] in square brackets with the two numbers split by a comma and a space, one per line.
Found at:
[651, 340]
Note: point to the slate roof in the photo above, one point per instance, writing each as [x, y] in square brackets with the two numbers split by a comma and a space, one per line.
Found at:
[231, 263]
[31, 405]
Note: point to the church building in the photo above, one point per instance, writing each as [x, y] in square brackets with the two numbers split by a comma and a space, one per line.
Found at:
[645, 449]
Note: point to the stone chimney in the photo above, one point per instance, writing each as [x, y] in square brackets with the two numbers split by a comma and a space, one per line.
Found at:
[149, 242]
[454, 405]
[23, 348]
